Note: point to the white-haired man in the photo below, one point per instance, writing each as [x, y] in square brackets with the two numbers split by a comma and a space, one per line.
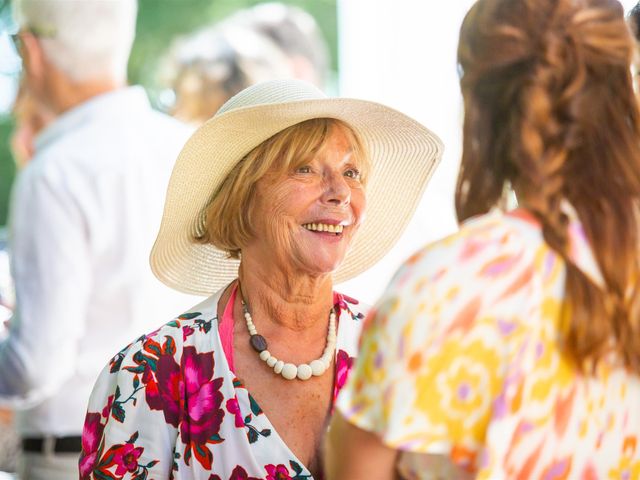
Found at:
[84, 215]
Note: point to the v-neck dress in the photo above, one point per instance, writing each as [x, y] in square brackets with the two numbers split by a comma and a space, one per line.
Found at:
[168, 406]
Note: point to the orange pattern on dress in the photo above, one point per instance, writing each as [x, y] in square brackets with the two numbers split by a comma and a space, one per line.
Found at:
[461, 359]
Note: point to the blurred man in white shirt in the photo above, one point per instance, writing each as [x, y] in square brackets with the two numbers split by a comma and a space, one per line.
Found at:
[84, 214]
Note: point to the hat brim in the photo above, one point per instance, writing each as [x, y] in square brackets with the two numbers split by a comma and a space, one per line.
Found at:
[403, 155]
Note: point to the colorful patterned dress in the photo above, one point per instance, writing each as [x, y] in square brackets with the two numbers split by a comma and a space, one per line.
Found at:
[169, 407]
[460, 367]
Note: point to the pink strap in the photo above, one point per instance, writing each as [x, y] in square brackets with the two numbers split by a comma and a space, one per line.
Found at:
[225, 328]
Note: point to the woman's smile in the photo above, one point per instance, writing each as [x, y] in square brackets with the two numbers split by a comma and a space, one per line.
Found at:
[307, 217]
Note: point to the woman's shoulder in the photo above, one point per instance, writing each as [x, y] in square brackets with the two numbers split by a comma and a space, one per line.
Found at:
[489, 263]
[195, 327]
[506, 229]
[480, 241]
[137, 390]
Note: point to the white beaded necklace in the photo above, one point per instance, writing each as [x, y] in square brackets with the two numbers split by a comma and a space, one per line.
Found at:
[290, 371]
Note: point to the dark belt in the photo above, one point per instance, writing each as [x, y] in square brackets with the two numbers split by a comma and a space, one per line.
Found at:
[60, 444]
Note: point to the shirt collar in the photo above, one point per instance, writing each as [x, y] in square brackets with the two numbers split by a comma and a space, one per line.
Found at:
[123, 99]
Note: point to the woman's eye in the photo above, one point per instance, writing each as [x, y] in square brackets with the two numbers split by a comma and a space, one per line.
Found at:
[353, 173]
[304, 169]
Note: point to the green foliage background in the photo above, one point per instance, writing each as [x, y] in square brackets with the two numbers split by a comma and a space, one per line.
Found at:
[159, 22]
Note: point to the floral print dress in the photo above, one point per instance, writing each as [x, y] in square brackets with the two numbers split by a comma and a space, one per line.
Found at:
[169, 407]
[461, 368]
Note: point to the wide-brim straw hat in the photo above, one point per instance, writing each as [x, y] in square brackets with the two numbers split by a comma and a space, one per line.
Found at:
[403, 155]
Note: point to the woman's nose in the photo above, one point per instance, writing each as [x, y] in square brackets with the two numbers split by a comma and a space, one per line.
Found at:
[336, 190]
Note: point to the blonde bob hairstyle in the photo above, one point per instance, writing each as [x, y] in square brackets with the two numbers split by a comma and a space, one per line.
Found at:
[227, 218]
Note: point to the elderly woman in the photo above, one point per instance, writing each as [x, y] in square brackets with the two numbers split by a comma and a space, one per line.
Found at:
[512, 348]
[266, 206]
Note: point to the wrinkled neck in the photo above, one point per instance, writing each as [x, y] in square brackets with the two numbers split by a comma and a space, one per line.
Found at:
[295, 302]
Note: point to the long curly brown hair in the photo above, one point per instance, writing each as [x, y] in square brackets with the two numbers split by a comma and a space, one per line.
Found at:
[550, 109]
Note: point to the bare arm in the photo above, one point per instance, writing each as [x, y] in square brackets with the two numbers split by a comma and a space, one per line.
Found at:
[355, 454]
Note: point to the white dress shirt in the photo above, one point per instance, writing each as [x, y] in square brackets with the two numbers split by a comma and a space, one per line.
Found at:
[85, 212]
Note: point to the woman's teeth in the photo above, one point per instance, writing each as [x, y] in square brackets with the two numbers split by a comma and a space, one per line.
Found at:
[323, 227]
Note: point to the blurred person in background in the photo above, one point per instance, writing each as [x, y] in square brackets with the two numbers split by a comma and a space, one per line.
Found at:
[30, 118]
[296, 33]
[9, 443]
[9, 440]
[84, 212]
[210, 66]
[265, 42]
[512, 348]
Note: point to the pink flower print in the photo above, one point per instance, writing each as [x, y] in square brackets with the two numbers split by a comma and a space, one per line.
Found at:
[341, 300]
[234, 409]
[238, 473]
[203, 398]
[126, 458]
[107, 407]
[344, 363]
[91, 435]
[163, 388]
[188, 397]
[339, 303]
[277, 472]
[187, 331]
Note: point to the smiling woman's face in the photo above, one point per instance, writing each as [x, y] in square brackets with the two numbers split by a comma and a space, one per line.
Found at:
[305, 219]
